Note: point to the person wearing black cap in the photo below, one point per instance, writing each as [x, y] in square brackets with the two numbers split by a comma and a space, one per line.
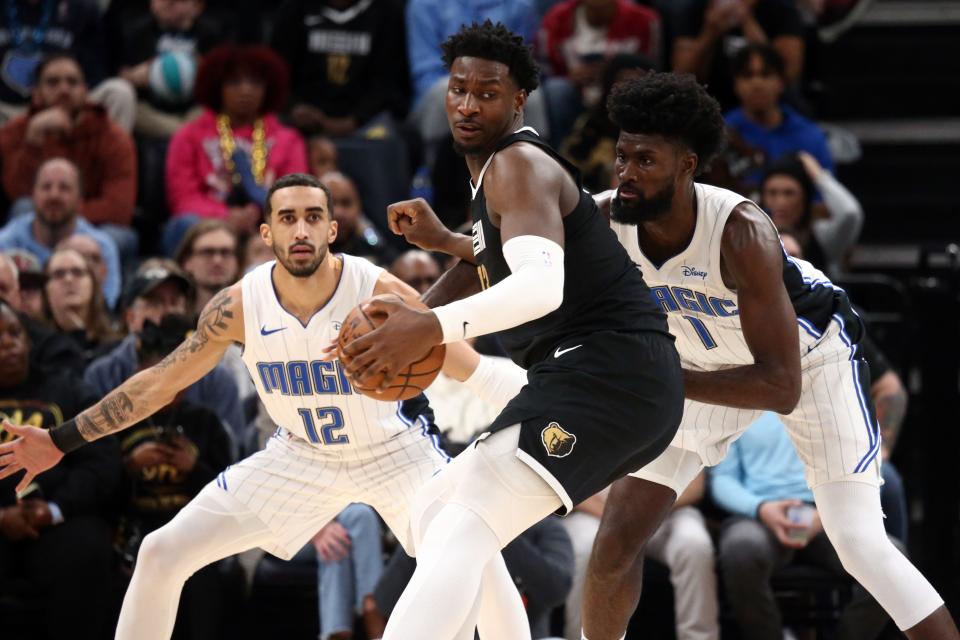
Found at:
[155, 292]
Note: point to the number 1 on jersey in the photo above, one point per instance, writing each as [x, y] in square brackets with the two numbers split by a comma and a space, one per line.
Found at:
[702, 331]
[330, 420]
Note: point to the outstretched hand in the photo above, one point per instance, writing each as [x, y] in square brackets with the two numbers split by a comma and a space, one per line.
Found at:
[372, 361]
[33, 451]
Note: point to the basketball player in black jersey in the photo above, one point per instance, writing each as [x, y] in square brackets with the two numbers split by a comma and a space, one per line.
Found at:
[603, 391]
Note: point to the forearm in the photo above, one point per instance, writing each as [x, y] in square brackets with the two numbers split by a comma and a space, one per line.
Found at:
[754, 386]
[458, 282]
[131, 402]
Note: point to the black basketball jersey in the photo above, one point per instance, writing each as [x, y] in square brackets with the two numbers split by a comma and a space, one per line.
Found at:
[603, 290]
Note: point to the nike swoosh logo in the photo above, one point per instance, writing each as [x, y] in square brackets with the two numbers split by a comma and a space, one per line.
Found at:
[559, 352]
[265, 332]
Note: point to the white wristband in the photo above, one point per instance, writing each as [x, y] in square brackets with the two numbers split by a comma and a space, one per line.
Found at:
[533, 289]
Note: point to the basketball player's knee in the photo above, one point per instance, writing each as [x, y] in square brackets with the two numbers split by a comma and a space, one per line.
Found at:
[616, 551]
[159, 553]
[860, 546]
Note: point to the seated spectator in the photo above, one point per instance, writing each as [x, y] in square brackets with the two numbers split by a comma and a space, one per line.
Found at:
[87, 247]
[172, 36]
[208, 254]
[682, 543]
[348, 552]
[56, 216]
[32, 29]
[592, 143]
[348, 64]
[417, 268]
[356, 235]
[709, 32]
[773, 522]
[255, 252]
[787, 194]
[222, 164]
[73, 304]
[9, 281]
[763, 120]
[168, 458]
[429, 24]
[540, 561]
[55, 535]
[155, 292]
[22, 269]
[322, 155]
[61, 123]
[578, 38]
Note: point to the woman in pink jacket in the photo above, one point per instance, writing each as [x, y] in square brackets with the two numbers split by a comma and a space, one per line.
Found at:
[222, 164]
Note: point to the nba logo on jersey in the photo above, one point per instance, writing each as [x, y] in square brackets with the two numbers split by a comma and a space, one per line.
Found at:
[478, 242]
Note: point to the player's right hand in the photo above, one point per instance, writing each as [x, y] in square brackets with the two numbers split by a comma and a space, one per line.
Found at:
[417, 222]
[33, 452]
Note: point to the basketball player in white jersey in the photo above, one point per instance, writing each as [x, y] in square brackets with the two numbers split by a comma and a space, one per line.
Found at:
[333, 446]
[756, 331]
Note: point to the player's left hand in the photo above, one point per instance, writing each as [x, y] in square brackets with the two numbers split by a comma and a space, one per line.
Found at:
[404, 337]
[33, 452]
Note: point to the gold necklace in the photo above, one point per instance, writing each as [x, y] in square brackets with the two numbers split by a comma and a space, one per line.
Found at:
[228, 145]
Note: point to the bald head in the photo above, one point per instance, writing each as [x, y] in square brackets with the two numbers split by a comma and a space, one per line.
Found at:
[56, 192]
[417, 268]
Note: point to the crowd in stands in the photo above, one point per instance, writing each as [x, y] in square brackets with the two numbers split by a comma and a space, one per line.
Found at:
[137, 144]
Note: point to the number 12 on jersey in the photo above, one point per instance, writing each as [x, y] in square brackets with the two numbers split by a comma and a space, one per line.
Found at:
[330, 420]
[702, 331]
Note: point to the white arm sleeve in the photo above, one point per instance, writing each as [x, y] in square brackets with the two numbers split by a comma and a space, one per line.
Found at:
[496, 381]
[533, 289]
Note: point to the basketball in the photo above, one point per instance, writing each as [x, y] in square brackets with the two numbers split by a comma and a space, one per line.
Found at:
[409, 382]
[171, 77]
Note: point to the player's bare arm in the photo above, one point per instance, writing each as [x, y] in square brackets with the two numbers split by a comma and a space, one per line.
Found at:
[457, 282]
[36, 450]
[752, 259]
[524, 193]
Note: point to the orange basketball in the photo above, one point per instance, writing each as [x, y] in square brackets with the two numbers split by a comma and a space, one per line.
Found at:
[409, 382]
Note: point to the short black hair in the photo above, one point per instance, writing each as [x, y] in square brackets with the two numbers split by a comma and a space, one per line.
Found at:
[55, 56]
[674, 106]
[770, 57]
[297, 180]
[493, 41]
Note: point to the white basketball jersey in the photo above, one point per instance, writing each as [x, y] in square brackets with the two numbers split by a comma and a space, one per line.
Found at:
[703, 314]
[303, 394]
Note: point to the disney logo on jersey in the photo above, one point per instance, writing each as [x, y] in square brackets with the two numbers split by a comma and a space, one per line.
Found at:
[693, 272]
[557, 441]
[479, 244]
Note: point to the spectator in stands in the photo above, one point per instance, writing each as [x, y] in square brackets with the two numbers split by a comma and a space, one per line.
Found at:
[55, 534]
[156, 291]
[577, 40]
[417, 268]
[159, 55]
[709, 32]
[255, 252]
[787, 194]
[9, 281]
[32, 279]
[61, 123]
[73, 304]
[763, 120]
[773, 522]
[87, 247]
[322, 155]
[222, 164]
[682, 543]
[429, 24]
[592, 143]
[208, 253]
[56, 216]
[540, 561]
[32, 29]
[348, 63]
[348, 552]
[168, 458]
[356, 235]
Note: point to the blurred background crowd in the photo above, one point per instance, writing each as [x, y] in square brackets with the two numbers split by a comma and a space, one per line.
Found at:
[138, 140]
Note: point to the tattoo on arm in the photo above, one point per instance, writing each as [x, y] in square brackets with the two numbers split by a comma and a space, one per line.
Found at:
[213, 321]
[115, 411]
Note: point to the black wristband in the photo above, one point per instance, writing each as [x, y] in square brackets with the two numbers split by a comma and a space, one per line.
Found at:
[66, 436]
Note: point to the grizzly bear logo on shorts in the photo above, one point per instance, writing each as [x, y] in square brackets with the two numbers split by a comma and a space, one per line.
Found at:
[557, 441]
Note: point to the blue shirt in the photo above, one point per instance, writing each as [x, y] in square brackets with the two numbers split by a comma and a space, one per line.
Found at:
[215, 391]
[794, 133]
[430, 22]
[762, 465]
[18, 234]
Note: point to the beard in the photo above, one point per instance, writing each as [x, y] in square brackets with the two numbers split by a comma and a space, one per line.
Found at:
[301, 269]
[642, 209]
